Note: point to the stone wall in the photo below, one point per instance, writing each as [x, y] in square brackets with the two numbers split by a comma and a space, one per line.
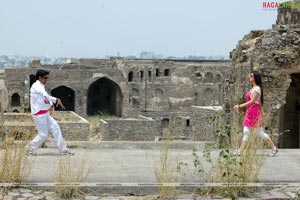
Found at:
[193, 123]
[73, 127]
[172, 124]
[141, 129]
[203, 126]
[144, 84]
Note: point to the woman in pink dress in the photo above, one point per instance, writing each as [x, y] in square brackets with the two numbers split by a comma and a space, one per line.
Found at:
[254, 100]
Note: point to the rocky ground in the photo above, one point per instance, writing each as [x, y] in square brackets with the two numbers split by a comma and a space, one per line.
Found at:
[262, 194]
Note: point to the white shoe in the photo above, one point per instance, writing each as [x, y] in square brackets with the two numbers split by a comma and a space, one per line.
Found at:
[30, 152]
[273, 152]
[67, 152]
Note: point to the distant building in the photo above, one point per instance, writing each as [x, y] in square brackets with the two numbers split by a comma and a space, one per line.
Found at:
[150, 55]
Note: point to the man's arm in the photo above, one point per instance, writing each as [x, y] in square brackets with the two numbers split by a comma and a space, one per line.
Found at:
[59, 103]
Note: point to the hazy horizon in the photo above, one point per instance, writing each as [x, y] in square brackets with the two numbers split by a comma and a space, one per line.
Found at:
[99, 28]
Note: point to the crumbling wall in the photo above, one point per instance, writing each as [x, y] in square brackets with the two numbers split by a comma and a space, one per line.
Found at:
[141, 129]
[3, 96]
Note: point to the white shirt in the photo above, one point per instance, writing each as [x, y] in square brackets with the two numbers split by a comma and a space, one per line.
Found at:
[39, 98]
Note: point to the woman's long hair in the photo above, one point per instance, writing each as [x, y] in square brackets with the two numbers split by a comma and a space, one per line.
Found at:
[258, 81]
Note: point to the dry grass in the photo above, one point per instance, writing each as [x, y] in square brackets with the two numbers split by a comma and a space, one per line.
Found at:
[166, 172]
[165, 168]
[231, 168]
[71, 170]
[228, 167]
[239, 169]
[15, 164]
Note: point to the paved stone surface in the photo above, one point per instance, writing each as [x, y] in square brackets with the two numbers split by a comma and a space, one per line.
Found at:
[121, 166]
[138, 165]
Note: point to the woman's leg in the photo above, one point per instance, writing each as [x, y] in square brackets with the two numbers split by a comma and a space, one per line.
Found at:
[264, 136]
[246, 135]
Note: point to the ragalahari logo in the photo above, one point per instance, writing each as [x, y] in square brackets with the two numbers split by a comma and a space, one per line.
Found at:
[273, 5]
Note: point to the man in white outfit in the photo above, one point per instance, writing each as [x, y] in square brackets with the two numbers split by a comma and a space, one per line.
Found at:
[42, 109]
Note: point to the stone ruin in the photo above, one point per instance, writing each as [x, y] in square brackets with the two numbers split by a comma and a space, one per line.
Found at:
[154, 98]
[151, 99]
[276, 54]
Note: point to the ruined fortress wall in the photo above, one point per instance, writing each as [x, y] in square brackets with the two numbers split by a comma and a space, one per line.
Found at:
[164, 85]
[192, 123]
[129, 129]
[162, 89]
[187, 84]
[174, 124]
[78, 80]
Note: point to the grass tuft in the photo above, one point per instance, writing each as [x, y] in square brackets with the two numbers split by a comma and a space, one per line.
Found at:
[70, 172]
[15, 165]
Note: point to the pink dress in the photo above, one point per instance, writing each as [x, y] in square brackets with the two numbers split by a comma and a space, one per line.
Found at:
[252, 116]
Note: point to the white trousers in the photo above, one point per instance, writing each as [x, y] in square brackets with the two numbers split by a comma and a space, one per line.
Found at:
[260, 133]
[45, 123]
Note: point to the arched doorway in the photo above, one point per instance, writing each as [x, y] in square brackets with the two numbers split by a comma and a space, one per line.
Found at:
[15, 100]
[130, 76]
[104, 96]
[165, 127]
[208, 97]
[66, 95]
[208, 78]
[290, 115]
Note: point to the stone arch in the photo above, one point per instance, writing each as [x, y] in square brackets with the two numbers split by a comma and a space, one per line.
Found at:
[208, 78]
[149, 73]
[198, 99]
[167, 72]
[158, 92]
[135, 92]
[198, 75]
[218, 78]
[157, 72]
[158, 100]
[104, 95]
[208, 97]
[165, 130]
[135, 103]
[15, 100]
[130, 76]
[141, 74]
[165, 123]
[66, 95]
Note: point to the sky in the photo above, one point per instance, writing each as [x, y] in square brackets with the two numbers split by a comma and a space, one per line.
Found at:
[99, 28]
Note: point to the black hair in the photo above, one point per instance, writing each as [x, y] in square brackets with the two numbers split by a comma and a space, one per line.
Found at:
[41, 73]
[258, 81]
